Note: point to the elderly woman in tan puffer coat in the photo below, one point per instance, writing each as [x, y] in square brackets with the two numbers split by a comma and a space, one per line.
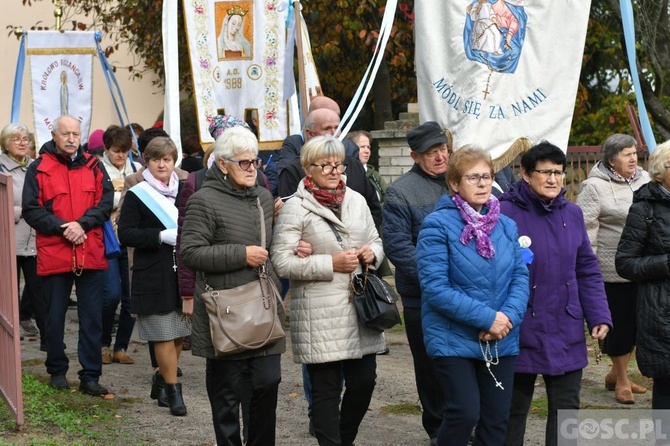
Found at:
[605, 197]
[326, 333]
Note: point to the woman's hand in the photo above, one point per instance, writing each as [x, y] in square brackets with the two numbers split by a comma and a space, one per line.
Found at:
[501, 326]
[366, 255]
[256, 256]
[600, 331]
[304, 249]
[345, 262]
[187, 306]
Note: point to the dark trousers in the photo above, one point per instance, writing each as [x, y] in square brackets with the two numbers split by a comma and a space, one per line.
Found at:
[427, 384]
[56, 289]
[116, 288]
[473, 399]
[660, 403]
[31, 303]
[336, 425]
[562, 393]
[225, 383]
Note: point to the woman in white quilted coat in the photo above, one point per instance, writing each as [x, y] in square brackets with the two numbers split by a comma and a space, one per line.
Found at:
[326, 333]
[604, 198]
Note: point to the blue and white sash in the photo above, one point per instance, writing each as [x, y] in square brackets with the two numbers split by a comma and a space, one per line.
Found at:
[162, 208]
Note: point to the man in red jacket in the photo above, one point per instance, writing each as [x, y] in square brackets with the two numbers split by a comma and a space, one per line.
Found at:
[67, 196]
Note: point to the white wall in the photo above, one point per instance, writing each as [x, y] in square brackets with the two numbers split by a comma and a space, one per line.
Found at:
[143, 101]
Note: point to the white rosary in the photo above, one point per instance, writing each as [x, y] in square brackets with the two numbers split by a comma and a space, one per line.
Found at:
[490, 360]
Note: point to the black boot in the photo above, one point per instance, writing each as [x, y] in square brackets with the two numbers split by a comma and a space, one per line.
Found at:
[158, 391]
[175, 399]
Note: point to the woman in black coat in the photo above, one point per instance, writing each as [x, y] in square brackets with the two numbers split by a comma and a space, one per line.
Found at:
[643, 256]
[148, 222]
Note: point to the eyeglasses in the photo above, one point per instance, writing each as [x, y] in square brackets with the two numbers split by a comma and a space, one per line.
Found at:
[246, 164]
[327, 169]
[18, 140]
[559, 174]
[475, 178]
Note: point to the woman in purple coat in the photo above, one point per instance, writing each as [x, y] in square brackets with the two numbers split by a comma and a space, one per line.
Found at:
[566, 288]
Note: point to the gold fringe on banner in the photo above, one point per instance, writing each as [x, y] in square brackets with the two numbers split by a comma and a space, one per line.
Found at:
[518, 147]
[58, 51]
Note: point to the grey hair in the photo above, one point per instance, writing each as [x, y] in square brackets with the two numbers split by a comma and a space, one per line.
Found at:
[658, 160]
[10, 131]
[56, 123]
[614, 144]
[234, 141]
[321, 147]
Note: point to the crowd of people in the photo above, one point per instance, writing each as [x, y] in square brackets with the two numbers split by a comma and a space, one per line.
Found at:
[497, 276]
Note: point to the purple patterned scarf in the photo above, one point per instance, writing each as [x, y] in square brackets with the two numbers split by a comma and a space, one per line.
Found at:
[479, 226]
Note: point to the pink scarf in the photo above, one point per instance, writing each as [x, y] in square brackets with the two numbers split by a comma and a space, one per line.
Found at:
[479, 226]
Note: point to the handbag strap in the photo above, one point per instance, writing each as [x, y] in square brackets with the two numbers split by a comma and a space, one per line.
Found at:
[337, 234]
[263, 241]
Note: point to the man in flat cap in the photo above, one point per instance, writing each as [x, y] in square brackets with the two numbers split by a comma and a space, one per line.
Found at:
[409, 199]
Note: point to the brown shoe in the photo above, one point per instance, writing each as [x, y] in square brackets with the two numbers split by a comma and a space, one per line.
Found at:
[624, 396]
[610, 381]
[121, 357]
[106, 355]
[636, 388]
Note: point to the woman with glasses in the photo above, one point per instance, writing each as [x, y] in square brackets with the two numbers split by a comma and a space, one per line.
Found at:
[14, 161]
[221, 241]
[566, 288]
[326, 333]
[474, 292]
[605, 198]
[643, 256]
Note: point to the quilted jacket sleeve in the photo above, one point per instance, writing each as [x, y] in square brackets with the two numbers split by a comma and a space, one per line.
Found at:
[397, 230]
[516, 303]
[288, 231]
[633, 262]
[589, 201]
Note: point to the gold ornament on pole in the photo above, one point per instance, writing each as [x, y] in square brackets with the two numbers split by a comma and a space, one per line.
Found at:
[58, 13]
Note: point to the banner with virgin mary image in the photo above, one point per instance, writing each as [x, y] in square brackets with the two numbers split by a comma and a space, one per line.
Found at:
[494, 71]
[237, 51]
[61, 78]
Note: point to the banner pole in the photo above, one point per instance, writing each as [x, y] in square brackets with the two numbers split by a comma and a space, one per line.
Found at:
[302, 85]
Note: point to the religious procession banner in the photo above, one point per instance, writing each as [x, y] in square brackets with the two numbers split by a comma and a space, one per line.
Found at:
[237, 57]
[61, 78]
[494, 71]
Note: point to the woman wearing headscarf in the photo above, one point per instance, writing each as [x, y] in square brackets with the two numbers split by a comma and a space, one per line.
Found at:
[474, 291]
[148, 222]
[221, 240]
[605, 197]
[326, 332]
[566, 288]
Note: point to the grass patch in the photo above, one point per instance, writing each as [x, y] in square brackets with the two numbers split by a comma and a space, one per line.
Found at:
[401, 409]
[538, 407]
[55, 418]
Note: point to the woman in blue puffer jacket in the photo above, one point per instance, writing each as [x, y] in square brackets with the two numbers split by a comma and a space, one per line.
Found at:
[475, 290]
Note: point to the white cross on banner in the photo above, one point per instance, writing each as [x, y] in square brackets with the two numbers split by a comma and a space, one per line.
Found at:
[237, 59]
[61, 73]
[493, 71]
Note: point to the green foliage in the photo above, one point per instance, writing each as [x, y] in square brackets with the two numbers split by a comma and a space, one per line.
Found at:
[55, 417]
[401, 409]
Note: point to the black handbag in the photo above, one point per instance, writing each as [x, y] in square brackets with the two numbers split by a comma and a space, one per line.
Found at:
[375, 301]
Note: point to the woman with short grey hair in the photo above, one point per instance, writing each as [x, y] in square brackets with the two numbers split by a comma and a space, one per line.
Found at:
[605, 197]
[221, 240]
[14, 161]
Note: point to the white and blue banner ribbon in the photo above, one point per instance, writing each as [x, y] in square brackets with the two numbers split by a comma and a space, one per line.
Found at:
[18, 80]
[628, 21]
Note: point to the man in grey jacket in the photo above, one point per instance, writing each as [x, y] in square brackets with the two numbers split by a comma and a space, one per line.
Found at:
[409, 199]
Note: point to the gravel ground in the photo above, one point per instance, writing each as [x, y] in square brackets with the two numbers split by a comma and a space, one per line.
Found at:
[149, 423]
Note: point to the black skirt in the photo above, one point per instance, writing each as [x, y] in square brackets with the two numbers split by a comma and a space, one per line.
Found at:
[622, 300]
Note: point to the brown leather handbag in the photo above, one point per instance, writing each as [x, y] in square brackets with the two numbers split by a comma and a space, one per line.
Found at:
[245, 317]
